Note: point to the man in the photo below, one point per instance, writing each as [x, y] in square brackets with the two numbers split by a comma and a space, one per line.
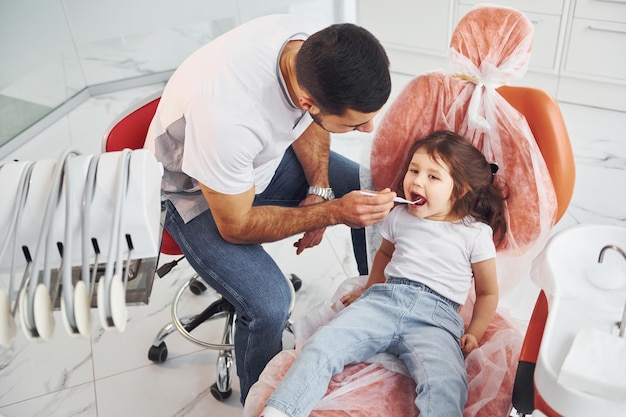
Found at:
[243, 132]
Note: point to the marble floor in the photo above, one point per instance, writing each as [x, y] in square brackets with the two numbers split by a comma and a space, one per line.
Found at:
[110, 375]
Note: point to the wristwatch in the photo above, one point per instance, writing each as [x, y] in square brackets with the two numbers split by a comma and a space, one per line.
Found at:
[325, 193]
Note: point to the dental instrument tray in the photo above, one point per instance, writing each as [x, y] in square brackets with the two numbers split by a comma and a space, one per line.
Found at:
[81, 231]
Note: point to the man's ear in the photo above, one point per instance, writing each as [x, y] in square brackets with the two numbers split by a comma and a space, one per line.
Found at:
[307, 103]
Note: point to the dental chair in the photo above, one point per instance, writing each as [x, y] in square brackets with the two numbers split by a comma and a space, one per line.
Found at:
[519, 128]
[129, 131]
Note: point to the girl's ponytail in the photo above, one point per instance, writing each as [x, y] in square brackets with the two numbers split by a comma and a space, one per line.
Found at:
[490, 209]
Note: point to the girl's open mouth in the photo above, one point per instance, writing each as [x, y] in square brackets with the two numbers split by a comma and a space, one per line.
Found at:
[417, 199]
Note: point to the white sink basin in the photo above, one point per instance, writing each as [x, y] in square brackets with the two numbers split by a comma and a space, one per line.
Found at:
[581, 294]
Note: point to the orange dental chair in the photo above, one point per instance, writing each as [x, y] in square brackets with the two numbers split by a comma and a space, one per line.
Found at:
[522, 130]
[546, 122]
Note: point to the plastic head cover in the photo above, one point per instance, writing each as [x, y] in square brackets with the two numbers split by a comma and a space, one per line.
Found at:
[491, 47]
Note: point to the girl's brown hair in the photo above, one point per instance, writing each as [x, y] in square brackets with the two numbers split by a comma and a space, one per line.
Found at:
[474, 192]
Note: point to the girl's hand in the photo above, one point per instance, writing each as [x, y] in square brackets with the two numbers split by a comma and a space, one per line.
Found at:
[352, 296]
[468, 343]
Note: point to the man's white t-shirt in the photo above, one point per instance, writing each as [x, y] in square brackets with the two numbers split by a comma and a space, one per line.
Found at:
[438, 254]
[225, 118]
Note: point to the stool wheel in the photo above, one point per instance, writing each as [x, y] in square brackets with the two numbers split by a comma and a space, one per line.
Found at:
[197, 287]
[158, 354]
[295, 281]
[219, 395]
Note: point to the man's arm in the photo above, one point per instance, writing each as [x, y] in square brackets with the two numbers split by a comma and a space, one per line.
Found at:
[313, 151]
[239, 222]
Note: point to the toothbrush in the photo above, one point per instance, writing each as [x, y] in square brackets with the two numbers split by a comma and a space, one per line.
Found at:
[396, 199]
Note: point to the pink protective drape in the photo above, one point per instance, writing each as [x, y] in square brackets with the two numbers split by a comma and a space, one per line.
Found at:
[382, 388]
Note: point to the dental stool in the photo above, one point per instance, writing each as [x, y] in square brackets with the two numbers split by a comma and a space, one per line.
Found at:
[129, 131]
[519, 128]
[219, 309]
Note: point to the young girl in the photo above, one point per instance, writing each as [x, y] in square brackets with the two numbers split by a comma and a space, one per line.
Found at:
[432, 251]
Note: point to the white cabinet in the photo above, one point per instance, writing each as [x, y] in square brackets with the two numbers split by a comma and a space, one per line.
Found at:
[597, 49]
[579, 50]
[607, 10]
[420, 25]
[594, 64]
[553, 7]
[415, 33]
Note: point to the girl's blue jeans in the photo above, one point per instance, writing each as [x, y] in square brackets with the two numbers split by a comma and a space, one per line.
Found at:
[400, 317]
[246, 275]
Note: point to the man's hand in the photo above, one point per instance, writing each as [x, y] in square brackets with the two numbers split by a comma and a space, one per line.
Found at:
[309, 240]
[353, 209]
[358, 210]
[313, 237]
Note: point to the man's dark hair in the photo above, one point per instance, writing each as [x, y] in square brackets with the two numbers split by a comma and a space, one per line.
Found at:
[344, 67]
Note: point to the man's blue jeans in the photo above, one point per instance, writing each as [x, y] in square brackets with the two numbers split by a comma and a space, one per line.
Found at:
[401, 317]
[246, 275]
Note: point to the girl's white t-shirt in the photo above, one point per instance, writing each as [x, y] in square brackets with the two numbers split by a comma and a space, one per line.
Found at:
[438, 254]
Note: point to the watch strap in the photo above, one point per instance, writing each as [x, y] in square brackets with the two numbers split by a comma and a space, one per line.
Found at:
[325, 193]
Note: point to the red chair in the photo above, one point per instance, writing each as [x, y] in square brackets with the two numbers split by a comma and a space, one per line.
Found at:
[129, 131]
